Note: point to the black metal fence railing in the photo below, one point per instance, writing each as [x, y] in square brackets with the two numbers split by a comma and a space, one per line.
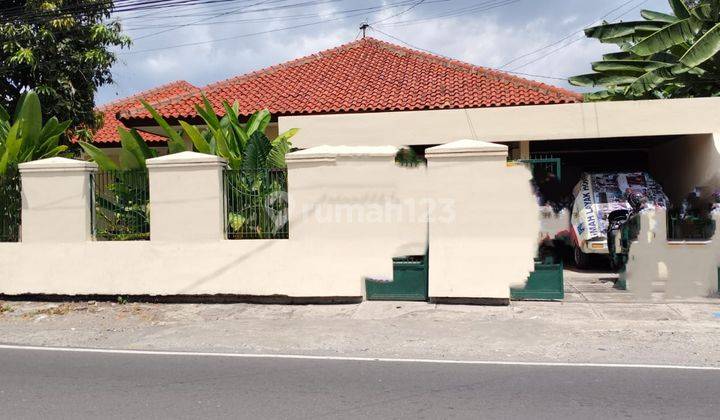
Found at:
[690, 227]
[10, 206]
[121, 201]
[256, 204]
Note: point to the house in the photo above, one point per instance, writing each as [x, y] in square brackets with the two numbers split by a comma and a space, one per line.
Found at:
[350, 209]
[371, 93]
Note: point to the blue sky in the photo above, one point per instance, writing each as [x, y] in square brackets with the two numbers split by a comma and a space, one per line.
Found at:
[535, 37]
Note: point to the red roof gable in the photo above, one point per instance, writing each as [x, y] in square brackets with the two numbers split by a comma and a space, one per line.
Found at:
[108, 132]
[365, 76]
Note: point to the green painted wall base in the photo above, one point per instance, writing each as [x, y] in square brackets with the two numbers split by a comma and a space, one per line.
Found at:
[545, 283]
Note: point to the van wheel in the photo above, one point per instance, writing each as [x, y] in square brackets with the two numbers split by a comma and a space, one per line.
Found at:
[582, 260]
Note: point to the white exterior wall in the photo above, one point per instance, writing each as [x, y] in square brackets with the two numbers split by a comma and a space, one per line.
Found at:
[688, 162]
[525, 123]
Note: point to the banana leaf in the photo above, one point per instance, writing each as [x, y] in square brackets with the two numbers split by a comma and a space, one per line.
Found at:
[678, 33]
[626, 67]
[600, 79]
[680, 9]
[703, 49]
[622, 29]
[658, 17]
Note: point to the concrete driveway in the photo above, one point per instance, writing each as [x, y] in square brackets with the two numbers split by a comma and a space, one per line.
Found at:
[598, 286]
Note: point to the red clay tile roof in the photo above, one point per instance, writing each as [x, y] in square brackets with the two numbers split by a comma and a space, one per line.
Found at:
[108, 132]
[365, 76]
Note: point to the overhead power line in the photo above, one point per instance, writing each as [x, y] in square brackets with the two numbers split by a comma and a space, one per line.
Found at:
[544, 56]
[348, 14]
[281, 18]
[440, 55]
[21, 14]
[234, 11]
[414, 5]
[483, 6]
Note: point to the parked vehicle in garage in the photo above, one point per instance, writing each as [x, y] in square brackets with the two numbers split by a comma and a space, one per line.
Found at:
[597, 197]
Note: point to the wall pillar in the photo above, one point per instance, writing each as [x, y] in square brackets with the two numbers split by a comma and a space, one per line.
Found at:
[488, 242]
[187, 197]
[56, 200]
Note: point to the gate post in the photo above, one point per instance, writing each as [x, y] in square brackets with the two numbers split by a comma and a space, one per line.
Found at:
[56, 200]
[489, 243]
[187, 197]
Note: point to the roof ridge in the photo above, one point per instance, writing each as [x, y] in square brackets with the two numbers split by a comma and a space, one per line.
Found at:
[553, 93]
[138, 95]
[263, 71]
[292, 63]
[464, 66]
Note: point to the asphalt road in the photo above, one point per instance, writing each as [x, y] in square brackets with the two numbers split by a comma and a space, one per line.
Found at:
[43, 384]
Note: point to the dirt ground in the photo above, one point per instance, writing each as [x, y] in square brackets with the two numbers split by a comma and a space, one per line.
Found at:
[684, 333]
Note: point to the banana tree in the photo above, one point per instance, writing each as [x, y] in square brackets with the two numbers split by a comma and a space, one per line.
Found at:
[662, 56]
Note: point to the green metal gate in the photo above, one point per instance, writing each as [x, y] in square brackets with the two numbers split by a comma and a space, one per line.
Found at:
[550, 164]
[409, 282]
[546, 282]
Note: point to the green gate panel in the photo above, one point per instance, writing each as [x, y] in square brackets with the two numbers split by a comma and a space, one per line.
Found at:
[409, 283]
[545, 283]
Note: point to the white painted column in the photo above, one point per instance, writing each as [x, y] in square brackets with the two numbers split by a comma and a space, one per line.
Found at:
[56, 200]
[488, 241]
[187, 197]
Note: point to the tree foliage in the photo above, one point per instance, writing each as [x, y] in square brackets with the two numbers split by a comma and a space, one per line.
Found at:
[662, 56]
[61, 49]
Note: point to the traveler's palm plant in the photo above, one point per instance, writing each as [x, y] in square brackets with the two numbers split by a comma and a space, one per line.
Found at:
[121, 189]
[254, 180]
[23, 138]
[255, 209]
[244, 145]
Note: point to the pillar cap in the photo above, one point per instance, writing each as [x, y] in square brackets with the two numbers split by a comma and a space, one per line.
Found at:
[184, 159]
[333, 153]
[467, 148]
[58, 164]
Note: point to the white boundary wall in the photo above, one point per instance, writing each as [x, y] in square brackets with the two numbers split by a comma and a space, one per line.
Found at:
[671, 269]
[351, 209]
